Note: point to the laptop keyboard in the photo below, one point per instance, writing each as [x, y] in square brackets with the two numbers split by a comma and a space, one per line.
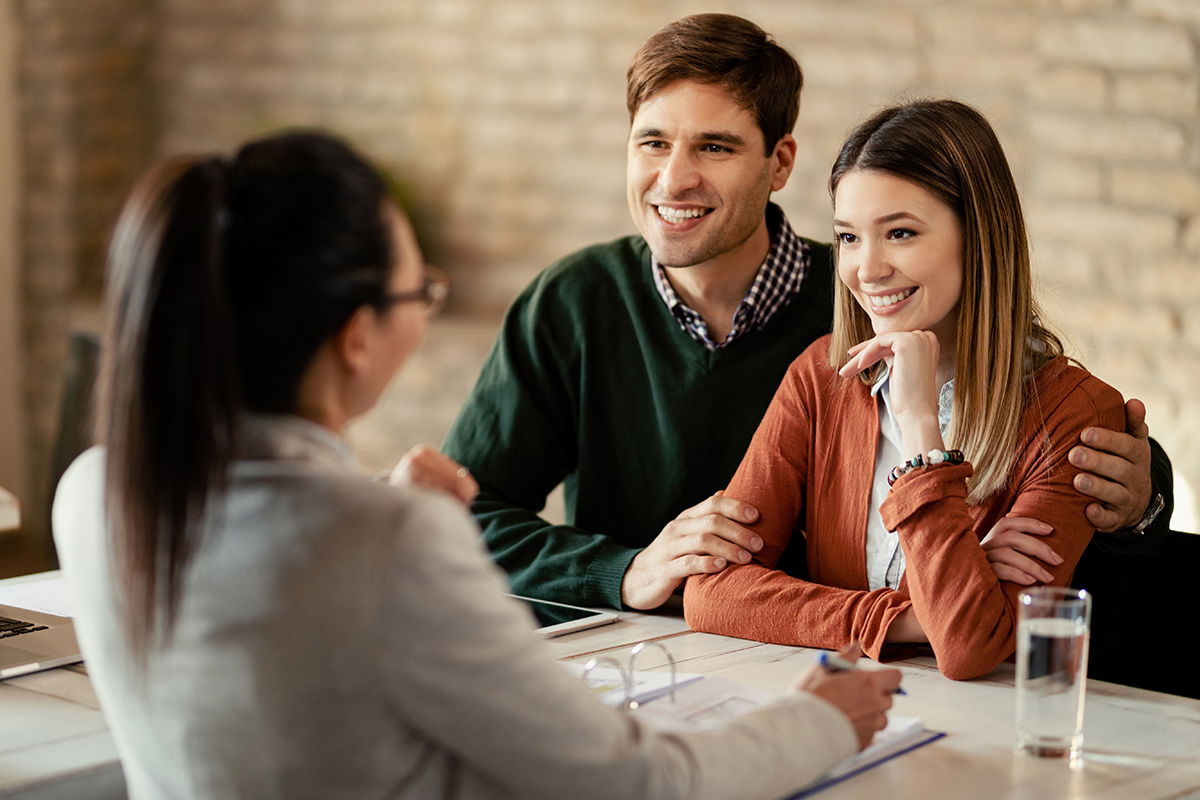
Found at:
[15, 627]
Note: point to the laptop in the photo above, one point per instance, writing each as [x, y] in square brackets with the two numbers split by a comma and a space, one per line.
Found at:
[31, 641]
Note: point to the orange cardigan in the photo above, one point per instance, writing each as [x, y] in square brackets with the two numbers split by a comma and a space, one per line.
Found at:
[809, 472]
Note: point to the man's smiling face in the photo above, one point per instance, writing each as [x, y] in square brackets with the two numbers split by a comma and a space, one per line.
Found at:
[697, 178]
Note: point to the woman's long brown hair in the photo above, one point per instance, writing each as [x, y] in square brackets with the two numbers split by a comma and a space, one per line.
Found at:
[949, 149]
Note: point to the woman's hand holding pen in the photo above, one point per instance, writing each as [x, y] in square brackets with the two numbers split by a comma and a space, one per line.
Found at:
[864, 696]
[912, 385]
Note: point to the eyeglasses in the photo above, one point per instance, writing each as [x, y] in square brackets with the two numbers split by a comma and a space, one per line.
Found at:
[434, 289]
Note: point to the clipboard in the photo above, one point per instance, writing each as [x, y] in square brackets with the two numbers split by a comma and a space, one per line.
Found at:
[903, 735]
[688, 701]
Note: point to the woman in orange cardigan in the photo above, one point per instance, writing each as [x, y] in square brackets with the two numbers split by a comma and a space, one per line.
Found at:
[939, 406]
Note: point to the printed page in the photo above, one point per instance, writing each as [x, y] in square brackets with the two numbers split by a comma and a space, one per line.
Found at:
[608, 683]
[901, 735]
[709, 703]
[47, 595]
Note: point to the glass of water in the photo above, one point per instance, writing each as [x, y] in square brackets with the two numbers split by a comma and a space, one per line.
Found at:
[1052, 651]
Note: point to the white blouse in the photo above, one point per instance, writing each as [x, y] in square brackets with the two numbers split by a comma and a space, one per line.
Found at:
[885, 557]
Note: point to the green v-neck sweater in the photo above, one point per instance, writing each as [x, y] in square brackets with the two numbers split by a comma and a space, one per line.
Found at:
[592, 383]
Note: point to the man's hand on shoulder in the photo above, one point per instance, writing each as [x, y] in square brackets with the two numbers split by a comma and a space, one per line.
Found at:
[703, 539]
[1116, 470]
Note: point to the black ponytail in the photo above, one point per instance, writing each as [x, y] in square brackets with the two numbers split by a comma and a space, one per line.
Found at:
[167, 390]
[224, 278]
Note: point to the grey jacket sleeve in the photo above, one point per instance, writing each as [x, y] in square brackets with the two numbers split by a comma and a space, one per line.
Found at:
[459, 663]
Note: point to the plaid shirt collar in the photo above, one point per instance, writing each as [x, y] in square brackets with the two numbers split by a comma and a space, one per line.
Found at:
[777, 280]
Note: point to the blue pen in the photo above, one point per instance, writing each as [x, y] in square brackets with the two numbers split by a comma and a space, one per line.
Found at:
[835, 663]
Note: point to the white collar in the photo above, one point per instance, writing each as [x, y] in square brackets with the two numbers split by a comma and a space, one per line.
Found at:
[945, 395]
[285, 437]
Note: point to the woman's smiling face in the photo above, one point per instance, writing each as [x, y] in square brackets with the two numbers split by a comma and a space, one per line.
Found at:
[899, 253]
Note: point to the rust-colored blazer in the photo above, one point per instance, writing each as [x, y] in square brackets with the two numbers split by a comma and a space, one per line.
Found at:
[809, 471]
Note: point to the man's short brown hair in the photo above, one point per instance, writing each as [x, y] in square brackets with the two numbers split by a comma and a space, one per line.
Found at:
[726, 51]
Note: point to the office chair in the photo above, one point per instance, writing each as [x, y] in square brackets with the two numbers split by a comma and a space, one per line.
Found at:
[74, 433]
[1145, 616]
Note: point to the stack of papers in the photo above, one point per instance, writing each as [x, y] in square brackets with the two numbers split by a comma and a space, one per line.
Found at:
[609, 684]
[709, 702]
[901, 735]
[45, 592]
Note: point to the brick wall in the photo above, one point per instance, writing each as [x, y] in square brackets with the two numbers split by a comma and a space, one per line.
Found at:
[1113, 119]
[508, 122]
[13, 472]
[84, 131]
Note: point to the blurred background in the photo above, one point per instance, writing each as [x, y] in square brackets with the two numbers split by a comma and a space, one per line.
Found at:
[504, 125]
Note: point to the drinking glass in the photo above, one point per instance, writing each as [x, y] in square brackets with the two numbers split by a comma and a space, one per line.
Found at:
[1052, 651]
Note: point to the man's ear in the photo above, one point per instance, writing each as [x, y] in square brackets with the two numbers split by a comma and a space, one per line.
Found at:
[785, 159]
[352, 344]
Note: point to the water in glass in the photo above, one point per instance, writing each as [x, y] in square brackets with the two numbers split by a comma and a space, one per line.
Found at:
[1051, 675]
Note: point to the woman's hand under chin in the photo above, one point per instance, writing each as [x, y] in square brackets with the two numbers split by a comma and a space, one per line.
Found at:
[913, 384]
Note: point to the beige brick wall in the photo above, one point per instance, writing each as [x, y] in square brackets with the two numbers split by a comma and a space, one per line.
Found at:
[12, 445]
[1115, 143]
[84, 129]
[508, 121]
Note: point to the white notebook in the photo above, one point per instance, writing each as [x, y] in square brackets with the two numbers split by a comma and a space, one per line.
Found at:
[707, 702]
[901, 735]
[609, 684]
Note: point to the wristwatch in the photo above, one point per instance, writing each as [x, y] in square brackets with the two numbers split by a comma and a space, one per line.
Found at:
[1152, 511]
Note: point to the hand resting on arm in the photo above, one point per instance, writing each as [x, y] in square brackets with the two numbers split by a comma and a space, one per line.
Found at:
[702, 539]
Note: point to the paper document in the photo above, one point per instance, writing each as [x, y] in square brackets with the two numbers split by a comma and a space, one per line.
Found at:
[48, 595]
[901, 735]
[715, 700]
[10, 511]
[708, 703]
[608, 684]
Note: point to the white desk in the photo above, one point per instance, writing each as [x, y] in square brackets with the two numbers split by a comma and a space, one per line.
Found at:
[1139, 745]
[1143, 745]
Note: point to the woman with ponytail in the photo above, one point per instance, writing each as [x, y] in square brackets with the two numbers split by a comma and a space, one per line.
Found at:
[940, 409]
[262, 621]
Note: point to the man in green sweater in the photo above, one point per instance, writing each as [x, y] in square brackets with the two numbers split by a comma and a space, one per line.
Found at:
[635, 372]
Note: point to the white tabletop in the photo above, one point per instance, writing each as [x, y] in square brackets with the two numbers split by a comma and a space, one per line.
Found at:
[1138, 744]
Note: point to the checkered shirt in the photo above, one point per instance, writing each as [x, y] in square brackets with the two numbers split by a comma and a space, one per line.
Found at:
[777, 280]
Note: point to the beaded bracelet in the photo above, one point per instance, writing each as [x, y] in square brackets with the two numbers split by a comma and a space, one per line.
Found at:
[930, 459]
